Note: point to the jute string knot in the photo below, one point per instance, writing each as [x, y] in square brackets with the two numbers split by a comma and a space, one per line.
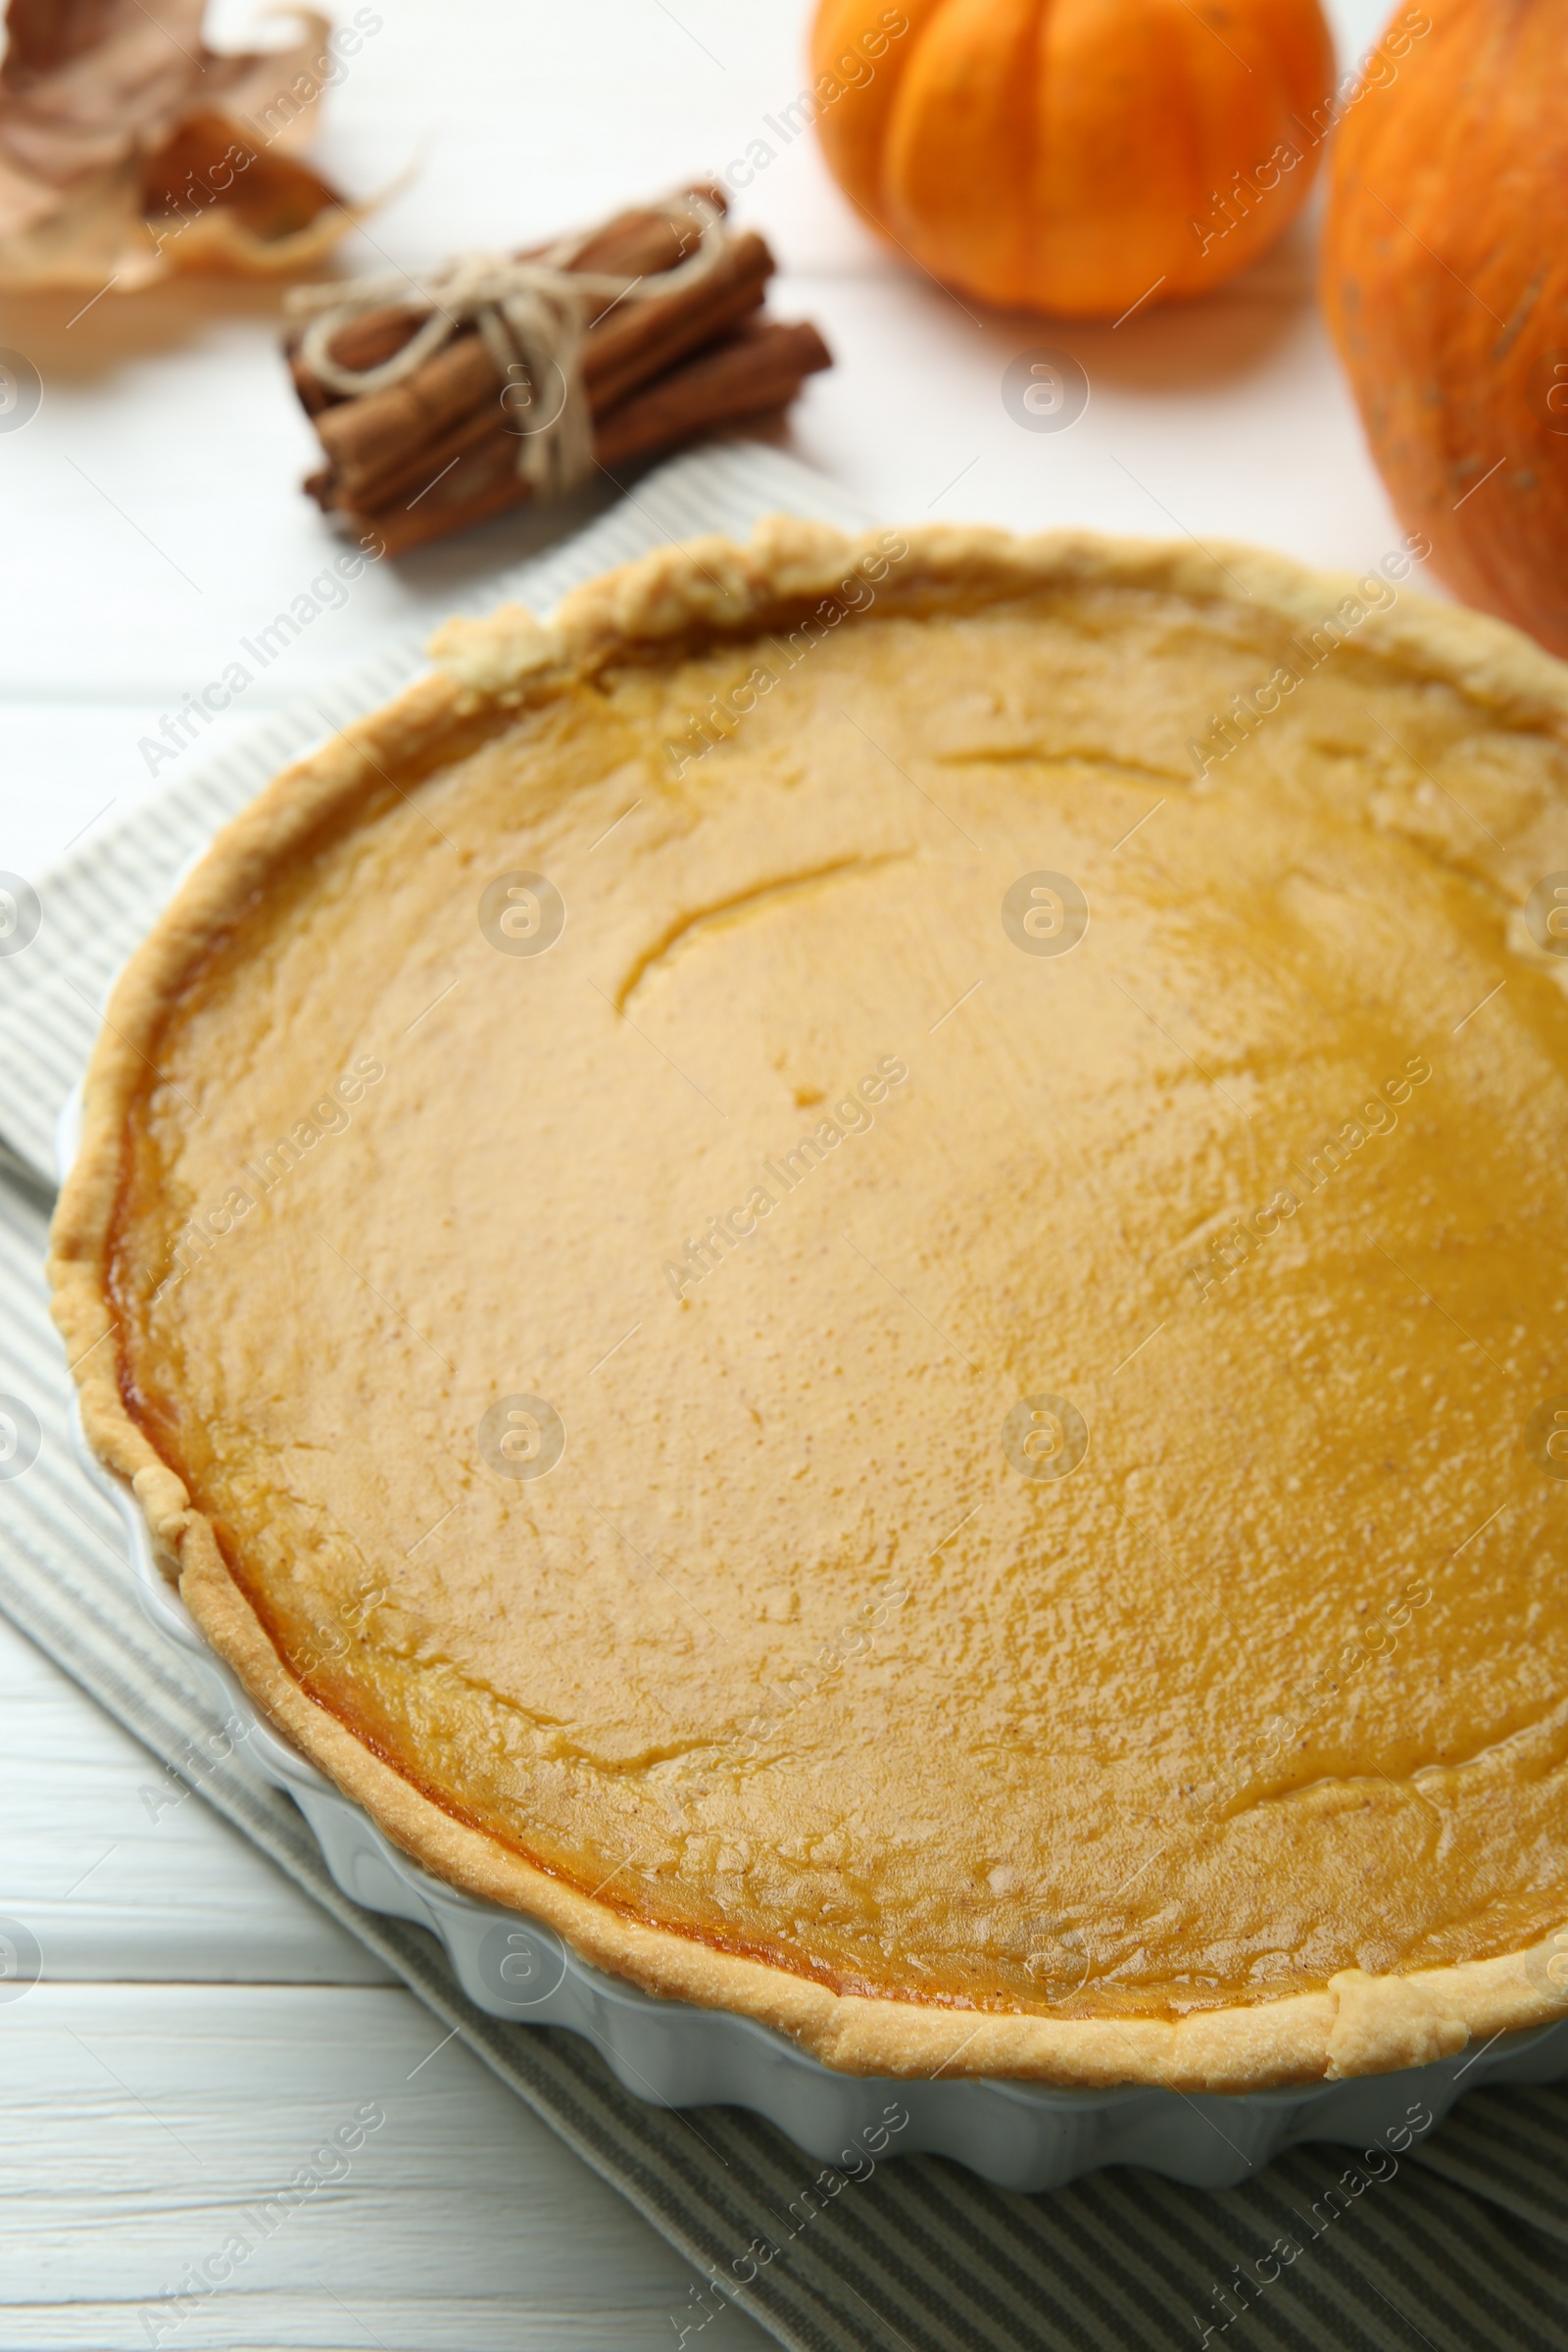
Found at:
[532, 316]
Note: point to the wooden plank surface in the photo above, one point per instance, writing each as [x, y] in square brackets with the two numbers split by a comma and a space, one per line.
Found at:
[141, 2118]
[160, 2138]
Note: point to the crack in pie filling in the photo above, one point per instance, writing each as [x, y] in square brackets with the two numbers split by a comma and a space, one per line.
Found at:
[812, 1303]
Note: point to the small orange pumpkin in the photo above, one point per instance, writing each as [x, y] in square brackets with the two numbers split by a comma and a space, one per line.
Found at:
[1446, 280]
[1078, 155]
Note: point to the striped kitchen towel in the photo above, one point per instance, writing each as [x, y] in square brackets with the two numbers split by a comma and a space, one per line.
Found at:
[1461, 2246]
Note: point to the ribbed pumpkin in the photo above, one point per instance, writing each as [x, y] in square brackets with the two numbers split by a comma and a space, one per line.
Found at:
[1445, 280]
[1074, 155]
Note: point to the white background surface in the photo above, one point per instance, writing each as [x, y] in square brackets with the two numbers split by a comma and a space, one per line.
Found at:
[201, 2025]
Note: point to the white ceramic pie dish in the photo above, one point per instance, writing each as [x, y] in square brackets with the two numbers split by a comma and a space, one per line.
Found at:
[1021, 2135]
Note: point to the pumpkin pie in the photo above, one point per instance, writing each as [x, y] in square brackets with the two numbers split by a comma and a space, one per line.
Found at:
[849, 1273]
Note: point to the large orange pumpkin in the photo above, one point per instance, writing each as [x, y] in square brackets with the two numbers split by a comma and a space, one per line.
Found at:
[1076, 155]
[1446, 278]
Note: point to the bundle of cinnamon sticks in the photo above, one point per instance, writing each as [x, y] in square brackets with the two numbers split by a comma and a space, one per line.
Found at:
[439, 450]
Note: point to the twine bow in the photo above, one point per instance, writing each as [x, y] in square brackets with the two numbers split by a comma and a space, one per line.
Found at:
[532, 316]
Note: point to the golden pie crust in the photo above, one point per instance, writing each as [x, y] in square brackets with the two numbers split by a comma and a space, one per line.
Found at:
[849, 1273]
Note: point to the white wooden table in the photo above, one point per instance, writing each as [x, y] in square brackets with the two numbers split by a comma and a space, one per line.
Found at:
[201, 2024]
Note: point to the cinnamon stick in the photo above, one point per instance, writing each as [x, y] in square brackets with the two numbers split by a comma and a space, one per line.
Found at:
[637, 244]
[372, 436]
[481, 429]
[637, 340]
[754, 372]
[363, 343]
[641, 239]
[760, 367]
[370, 441]
[439, 450]
[365, 482]
[643, 242]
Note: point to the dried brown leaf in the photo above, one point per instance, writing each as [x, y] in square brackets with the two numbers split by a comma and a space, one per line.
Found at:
[129, 149]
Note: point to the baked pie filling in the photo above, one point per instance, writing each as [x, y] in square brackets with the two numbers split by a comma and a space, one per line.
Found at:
[806, 1294]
